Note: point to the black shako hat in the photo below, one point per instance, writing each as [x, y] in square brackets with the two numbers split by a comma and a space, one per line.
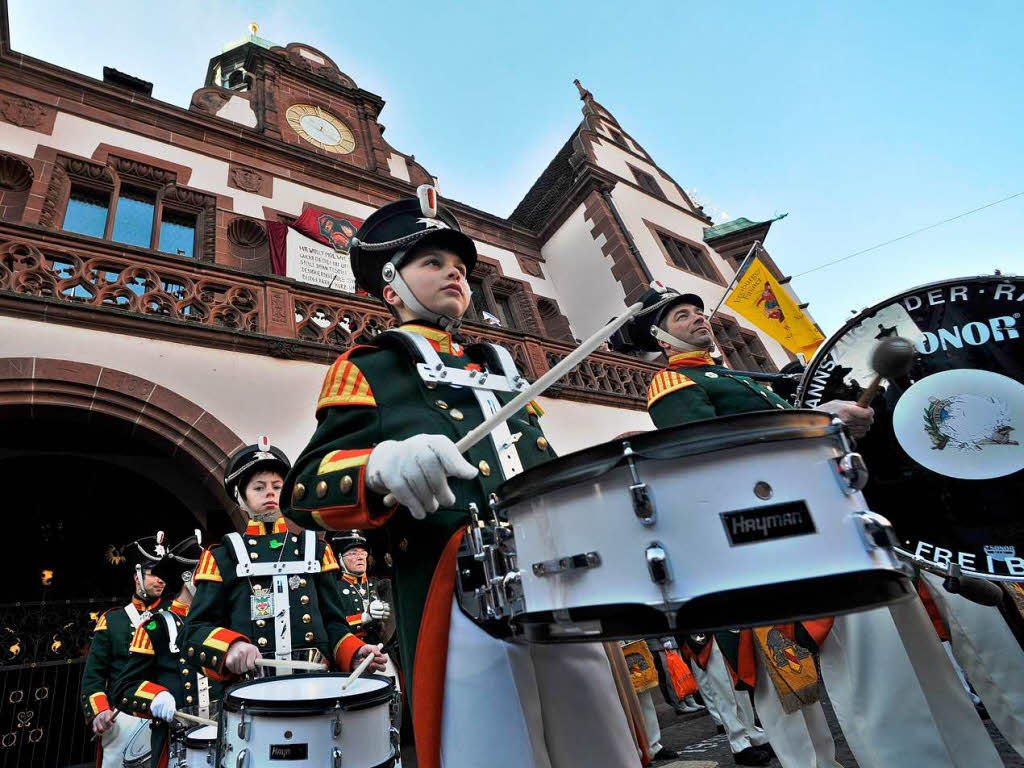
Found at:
[261, 457]
[347, 540]
[390, 234]
[636, 334]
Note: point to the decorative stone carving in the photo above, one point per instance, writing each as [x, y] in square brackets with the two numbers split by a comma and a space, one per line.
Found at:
[210, 99]
[246, 233]
[55, 191]
[529, 266]
[15, 174]
[140, 170]
[246, 179]
[22, 112]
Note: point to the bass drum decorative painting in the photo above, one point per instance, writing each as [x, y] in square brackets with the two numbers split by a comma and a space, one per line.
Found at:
[947, 448]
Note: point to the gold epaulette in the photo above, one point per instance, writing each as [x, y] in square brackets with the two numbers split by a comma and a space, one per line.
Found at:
[664, 382]
[345, 384]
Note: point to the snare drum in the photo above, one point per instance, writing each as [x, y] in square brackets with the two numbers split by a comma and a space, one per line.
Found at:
[139, 747]
[748, 520]
[307, 721]
[201, 746]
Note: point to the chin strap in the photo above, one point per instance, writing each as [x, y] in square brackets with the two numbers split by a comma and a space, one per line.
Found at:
[674, 341]
[394, 278]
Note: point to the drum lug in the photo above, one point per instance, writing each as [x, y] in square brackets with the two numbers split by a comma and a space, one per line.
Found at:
[335, 757]
[242, 761]
[853, 472]
[336, 724]
[876, 531]
[243, 729]
[657, 563]
[643, 502]
[567, 563]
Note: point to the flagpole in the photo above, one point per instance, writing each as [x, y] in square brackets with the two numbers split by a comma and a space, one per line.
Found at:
[735, 278]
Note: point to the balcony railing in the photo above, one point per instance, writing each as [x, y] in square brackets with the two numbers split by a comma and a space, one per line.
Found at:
[110, 281]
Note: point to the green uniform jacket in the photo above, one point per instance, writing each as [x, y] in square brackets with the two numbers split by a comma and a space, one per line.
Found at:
[356, 595]
[108, 655]
[153, 667]
[222, 607]
[372, 394]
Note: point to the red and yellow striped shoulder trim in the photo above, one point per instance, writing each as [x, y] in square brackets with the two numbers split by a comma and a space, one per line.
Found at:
[208, 570]
[665, 382]
[141, 642]
[330, 562]
[345, 384]
[101, 623]
[533, 408]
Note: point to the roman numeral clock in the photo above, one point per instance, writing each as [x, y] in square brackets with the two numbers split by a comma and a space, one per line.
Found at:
[320, 128]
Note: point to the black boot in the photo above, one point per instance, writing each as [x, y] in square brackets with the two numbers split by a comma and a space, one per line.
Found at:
[752, 756]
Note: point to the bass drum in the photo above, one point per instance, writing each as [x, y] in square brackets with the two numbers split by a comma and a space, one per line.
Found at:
[946, 451]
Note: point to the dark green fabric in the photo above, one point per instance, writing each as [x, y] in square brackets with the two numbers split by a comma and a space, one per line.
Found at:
[407, 407]
[356, 598]
[716, 391]
[227, 603]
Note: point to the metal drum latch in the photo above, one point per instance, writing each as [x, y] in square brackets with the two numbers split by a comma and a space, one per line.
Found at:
[657, 563]
[640, 494]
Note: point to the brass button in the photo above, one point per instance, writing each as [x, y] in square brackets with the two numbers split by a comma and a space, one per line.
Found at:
[346, 484]
[254, 555]
[296, 551]
[299, 492]
[213, 660]
[261, 623]
[188, 686]
[442, 405]
[252, 542]
[202, 656]
[306, 618]
[542, 444]
[485, 468]
[181, 660]
[780, 406]
[309, 637]
[124, 701]
[188, 699]
[304, 599]
[191, 652]
[457, 414]
[295, 538]
[262, 642]
[403, 544]
[321, 489]
[184, 672]
[302, 582]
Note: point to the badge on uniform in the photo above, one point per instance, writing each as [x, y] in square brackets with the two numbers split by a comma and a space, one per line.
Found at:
[294, 582]
[261, 603]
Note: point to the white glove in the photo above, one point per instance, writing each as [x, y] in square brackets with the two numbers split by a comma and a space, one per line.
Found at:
[416, 472]
[241, 657]
[380, 610]
[103, 721]
[163, 706]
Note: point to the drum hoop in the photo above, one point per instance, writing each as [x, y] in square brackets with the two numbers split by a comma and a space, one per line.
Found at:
[144, 725]
[194, 742]
[830, 342]
[705, 436]
[285, 708]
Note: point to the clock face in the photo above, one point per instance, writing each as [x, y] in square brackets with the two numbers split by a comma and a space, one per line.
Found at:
[320, 128]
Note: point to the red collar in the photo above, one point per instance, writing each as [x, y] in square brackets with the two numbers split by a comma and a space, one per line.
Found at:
[352, 579]
[258, 528]
[179, 608]
[692, 359]
[440, 340]
[142, 607]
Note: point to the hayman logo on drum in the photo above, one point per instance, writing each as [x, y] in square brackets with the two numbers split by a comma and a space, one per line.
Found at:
[762, 524]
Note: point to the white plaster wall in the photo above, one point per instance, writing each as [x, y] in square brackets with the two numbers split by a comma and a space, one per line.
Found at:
[255, 395]
[82, 137]
[586, 292]
[613, 158]
[398, 167]
[635, 206]
[238, 110]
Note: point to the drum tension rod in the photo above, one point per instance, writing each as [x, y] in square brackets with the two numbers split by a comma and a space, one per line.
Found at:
[643, 502]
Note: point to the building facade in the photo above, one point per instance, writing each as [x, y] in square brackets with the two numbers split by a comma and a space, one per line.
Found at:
[144, 336]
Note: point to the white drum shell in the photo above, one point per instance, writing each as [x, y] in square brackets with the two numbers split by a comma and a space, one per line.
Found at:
[690, 493]
[364, 740]
[201, 757]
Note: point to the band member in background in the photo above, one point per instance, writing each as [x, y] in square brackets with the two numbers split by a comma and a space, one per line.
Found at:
[158, 679]
[645, 678]
[108, 655]
[367, 615]
[871, 683]
[476, 700]
[240, 613]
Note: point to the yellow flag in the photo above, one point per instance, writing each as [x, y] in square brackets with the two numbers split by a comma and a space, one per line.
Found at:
[759, 298]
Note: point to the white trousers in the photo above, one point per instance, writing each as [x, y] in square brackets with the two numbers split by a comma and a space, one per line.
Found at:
[651, 724]
[732, 706]
[529, 706]
[879, 700]
[116, 739]
[801, 739]
[990, 655]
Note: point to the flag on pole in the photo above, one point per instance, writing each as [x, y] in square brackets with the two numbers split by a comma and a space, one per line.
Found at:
[314, 249]
[760, 299]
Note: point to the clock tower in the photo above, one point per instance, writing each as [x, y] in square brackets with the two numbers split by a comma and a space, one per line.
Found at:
[298, 95]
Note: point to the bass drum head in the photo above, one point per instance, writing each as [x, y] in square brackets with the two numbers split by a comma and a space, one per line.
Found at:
[946, 451]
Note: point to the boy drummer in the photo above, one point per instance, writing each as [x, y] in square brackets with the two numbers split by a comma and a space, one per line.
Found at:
[384, 428]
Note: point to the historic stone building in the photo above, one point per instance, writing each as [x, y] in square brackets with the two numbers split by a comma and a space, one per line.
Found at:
[144, 336]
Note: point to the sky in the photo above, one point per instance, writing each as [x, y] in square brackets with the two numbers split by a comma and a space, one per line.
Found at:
[863, 121]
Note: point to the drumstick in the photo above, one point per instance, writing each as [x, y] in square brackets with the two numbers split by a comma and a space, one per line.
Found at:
[892, 357]
[573, 359]
[195, 719]
[286, 664]
[358, 671]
